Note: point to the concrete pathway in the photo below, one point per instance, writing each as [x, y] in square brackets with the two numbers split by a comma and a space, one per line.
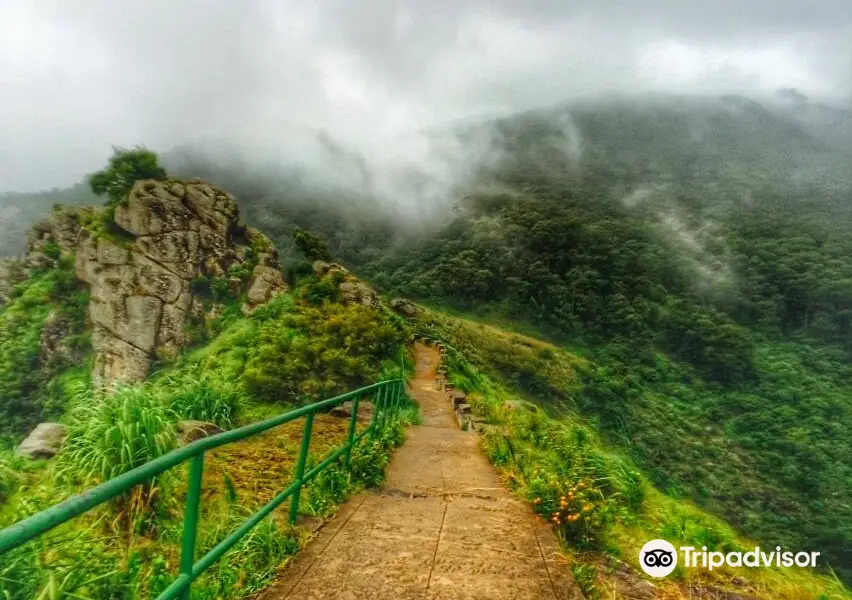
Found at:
[442, 527]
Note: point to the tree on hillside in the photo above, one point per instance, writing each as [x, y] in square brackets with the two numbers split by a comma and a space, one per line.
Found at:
[126, 167]
[311, 245]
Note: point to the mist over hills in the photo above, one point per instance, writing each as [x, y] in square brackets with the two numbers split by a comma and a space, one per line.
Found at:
[694, 249]
[732, 148]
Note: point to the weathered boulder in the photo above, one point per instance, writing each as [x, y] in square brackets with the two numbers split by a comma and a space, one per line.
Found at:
[266, 284]
[353, 291]
[190, 431]
[43, 442]
[323, 268]
[520, 405]
[320, 267]
[404, 307]
[141, 283]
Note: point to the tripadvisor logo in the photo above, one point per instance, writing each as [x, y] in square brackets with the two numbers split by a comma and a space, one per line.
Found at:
[658, 558]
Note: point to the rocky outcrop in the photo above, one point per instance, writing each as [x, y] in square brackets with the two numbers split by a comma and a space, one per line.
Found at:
[352, 290]
[53, 235]
[44, 441]
[358, 292]
[267, 283]
[170, 235]
[404, 307]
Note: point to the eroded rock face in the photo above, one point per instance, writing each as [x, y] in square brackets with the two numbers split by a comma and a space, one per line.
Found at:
[267, 283]
[53, 235]
[141, 282]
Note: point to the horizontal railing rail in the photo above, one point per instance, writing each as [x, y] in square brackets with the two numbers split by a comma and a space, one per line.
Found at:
[387, 398]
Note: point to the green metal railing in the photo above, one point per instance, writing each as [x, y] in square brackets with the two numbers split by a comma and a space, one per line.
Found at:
[387, 397]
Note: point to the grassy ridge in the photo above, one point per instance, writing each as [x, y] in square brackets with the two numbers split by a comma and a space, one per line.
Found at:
[598, 493]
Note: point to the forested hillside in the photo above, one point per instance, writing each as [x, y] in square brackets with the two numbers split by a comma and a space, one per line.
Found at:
[695, 248]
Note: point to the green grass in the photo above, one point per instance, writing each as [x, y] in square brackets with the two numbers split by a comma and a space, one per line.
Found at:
[32, 386]
[128, 548]
[97, 556]
[592, 490]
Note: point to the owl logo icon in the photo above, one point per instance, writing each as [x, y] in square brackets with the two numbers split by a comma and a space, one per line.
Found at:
[658, 558]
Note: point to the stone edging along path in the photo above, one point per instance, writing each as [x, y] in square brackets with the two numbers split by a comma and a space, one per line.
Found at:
[441, 527]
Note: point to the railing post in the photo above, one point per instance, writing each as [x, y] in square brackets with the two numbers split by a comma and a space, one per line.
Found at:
[377, 403]
[190, 519]
[351, 436]
[383, 403]
[300, 467]
[394, 403]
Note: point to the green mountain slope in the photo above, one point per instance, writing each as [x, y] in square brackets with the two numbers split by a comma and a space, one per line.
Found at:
[694, 252]
[593, 492]
[695, 249]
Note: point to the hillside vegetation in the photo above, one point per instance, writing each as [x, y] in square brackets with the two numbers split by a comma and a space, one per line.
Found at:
[240, 362]
[694, 250]
[129, 548]
[592, 493]
[681, 264]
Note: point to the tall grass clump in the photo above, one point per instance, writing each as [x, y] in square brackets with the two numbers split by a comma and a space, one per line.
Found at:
[191, 393]
[251, 565]
[108, 436]
[570, 482]
[370, 458]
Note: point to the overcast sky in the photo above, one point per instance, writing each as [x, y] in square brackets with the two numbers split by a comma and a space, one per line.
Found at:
[77, 76]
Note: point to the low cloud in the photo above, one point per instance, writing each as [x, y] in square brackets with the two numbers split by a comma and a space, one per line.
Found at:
[76, 78]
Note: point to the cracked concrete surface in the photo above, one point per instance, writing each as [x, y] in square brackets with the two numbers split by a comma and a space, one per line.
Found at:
[442, 527]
